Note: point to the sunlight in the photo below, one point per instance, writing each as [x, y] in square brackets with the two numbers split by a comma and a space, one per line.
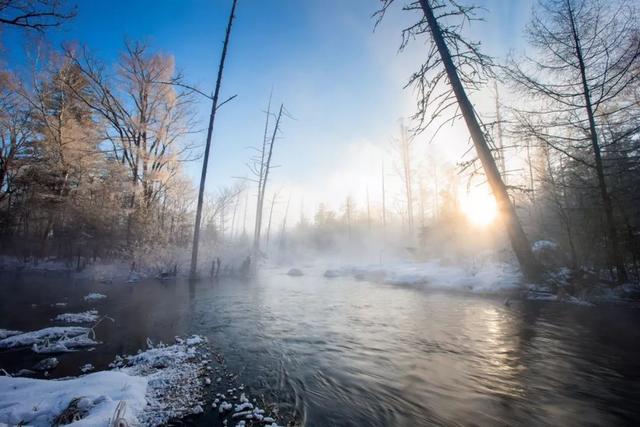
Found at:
[479, 207]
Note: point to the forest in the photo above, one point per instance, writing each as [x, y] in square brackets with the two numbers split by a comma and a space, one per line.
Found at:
[93, 153]
[110, 172]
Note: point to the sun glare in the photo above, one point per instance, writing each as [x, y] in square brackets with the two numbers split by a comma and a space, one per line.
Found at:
[479, 207]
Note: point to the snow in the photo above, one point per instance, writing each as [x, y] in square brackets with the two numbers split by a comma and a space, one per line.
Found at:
[194, 340]
[156, 385]
[87, 368]
[65, 344]
[488, 277]
[4, 333]
[89, 316]
[540, 293]
[46, 364]
[38, 402]
[47, 334]
[544, 245]
[94, 297]
[173, 373]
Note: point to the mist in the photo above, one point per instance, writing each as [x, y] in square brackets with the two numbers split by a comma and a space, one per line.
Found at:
[372, 213]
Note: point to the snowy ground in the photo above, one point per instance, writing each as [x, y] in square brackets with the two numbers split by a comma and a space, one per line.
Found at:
[482, 275]
[152, 387]
[39, 402]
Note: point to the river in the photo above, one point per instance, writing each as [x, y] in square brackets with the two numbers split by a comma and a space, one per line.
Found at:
[355, 353]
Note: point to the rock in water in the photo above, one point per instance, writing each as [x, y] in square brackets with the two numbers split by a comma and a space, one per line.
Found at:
[331, 274]
[46, 364]
[295, 272]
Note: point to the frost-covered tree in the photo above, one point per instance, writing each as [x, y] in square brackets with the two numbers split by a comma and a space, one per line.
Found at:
[581, 75]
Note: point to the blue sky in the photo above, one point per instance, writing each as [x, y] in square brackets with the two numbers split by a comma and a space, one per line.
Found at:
[340, 80]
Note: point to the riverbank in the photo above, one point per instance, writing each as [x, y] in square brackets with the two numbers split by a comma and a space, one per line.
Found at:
[157, 385]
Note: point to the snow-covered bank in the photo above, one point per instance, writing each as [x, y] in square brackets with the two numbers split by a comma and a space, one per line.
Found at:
[483, 278]
[479, 277]
[39, 402]
[156, 385]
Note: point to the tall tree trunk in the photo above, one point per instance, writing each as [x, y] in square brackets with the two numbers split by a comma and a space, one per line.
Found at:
[519, 242]
[203, 176]
[233, 218]
[284, 223]
[500, 141]
[273, 202]
[263, 152]
[615, 258]
[384, 200]
[368, 211]
[267, 168]
[407, 176]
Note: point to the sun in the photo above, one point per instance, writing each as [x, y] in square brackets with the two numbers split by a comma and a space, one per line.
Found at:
[479, 207]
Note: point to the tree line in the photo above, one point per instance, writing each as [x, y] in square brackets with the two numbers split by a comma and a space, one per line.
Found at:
[577, 119]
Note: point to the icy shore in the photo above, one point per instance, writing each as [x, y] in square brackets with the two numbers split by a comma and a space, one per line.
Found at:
[156, 386]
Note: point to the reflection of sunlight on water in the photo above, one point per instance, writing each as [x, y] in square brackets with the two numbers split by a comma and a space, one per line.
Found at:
[500, 365]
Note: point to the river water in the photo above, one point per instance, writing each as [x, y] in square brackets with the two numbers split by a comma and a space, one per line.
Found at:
[354, 353]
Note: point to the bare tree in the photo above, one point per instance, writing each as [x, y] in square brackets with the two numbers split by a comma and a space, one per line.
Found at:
[500, 148]
[588, 54]
[348, 213]
[214, 212]
[384, 198]
[205, 161]
[453, 65]
[273, 203]
[35, 14]
[262, 170]
[403, 146]
[283, 229]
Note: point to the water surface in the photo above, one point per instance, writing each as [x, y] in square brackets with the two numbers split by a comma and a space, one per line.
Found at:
[354, 353]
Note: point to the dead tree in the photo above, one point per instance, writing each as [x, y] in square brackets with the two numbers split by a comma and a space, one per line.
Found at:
[273, 203]
[258, 169]
[205, 161]
[263, 171]
[441, 82]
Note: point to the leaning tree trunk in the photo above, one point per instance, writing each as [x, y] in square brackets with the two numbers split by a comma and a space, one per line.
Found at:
[203, 176]
[529, 265]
